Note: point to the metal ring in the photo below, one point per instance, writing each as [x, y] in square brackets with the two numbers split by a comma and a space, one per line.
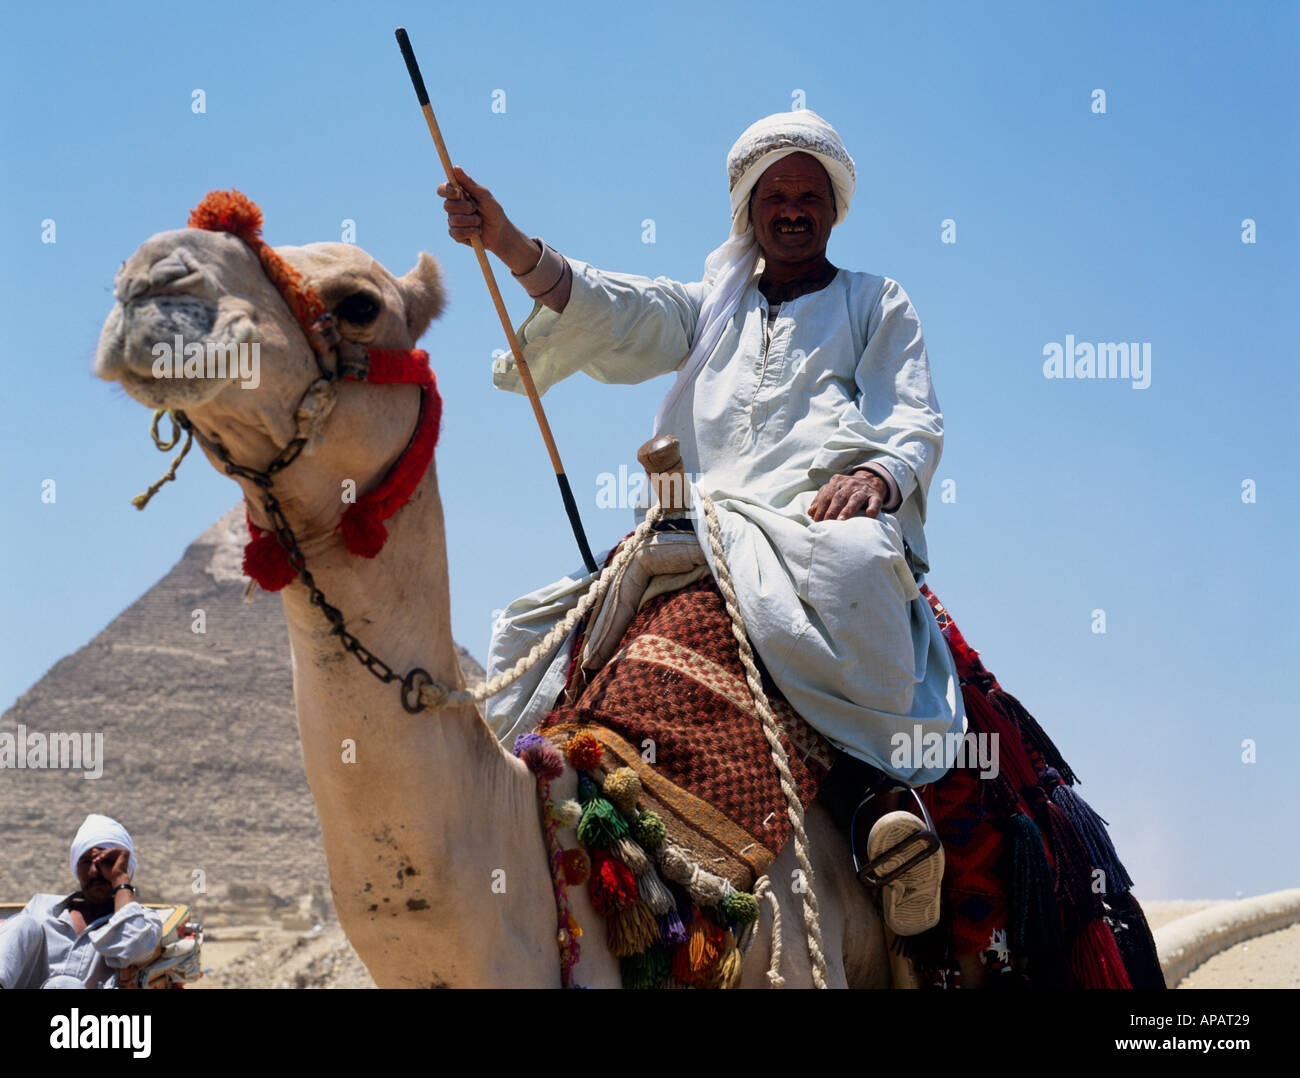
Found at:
[411, 684]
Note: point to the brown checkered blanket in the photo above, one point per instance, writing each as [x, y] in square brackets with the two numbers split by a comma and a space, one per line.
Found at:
[673, 704]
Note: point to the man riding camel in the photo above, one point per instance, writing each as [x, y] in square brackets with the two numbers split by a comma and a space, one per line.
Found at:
[804, 406]
[80, 940]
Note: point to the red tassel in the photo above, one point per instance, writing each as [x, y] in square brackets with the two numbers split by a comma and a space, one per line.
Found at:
[265, 560]
[1095, 961]
[363, 530]
[612, 885]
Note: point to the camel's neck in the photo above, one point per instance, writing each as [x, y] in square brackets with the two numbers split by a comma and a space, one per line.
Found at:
[437, 861]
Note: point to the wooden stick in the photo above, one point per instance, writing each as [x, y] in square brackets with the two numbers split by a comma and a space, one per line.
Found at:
[525, 376]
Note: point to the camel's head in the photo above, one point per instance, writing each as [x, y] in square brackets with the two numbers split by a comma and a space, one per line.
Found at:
[211, 321]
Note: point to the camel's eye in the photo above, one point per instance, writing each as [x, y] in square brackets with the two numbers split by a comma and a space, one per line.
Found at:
[360, 309]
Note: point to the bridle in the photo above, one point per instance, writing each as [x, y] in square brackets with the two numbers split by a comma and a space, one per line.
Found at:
[274, 558]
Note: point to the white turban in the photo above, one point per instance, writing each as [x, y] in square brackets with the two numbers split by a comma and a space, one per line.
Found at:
[100, 831]
[729, 268]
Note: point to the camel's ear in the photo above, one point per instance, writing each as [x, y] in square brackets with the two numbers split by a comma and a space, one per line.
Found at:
[424, 294]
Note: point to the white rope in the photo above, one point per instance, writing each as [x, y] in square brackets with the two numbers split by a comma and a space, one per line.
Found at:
[811, 915]
[763, 889]
[436, 695]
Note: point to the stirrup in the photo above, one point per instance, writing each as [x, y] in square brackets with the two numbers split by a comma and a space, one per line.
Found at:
[927, 839]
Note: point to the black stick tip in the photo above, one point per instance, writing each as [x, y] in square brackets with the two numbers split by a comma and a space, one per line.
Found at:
[412, 68]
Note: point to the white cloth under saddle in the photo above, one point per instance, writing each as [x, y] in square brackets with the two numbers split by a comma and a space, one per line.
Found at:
[662, 562]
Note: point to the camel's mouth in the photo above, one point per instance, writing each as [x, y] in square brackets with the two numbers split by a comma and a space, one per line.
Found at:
[169, 350]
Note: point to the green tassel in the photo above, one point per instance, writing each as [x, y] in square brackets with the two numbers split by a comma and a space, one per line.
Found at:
[601, 825]
[1035, 922]
[649, 969]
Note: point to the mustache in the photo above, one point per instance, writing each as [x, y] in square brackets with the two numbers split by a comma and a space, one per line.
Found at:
[785, 222]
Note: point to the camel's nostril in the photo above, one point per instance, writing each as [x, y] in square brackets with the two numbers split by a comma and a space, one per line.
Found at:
[166, 316]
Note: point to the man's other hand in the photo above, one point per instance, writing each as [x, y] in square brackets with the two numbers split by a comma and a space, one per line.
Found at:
[847, 495]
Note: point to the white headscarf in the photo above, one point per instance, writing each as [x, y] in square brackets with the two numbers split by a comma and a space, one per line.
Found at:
[100, 831]
[729, 268]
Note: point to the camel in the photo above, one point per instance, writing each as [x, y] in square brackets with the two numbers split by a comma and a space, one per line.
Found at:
[432, 830]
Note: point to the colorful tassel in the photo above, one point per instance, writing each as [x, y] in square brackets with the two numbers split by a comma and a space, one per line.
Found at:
[649, 969]
[611, 886]
[727, 972]
[631, 855]
[1035, 924]
[1092, 831]
[631, 930]
[671, 929]
[654, 894]
[695, 960]
[1073, 880]
[1136, 945]
[1031, 731]
[602, 825]
[1095, 961]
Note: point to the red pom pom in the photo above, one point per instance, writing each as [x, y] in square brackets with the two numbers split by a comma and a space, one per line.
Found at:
[267, 562]
[228, 211]
[543, 760]
[363, 531]
[576, 866]
[612, 885]
[585, 751]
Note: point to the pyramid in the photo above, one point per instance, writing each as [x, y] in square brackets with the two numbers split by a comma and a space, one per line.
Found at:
[200, 752]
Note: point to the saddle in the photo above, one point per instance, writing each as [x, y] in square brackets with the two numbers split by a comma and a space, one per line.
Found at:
[655, 665]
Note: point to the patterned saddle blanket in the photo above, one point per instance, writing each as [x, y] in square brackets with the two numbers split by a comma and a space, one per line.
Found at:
[1024, 852]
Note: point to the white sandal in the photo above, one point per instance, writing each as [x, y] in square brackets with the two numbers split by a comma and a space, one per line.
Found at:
[910, 896]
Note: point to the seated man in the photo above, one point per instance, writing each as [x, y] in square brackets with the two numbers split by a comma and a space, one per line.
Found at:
[804, 407]
[78, 941]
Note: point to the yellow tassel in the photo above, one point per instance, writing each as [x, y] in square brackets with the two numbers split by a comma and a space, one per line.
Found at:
[729, 968]
[631, 930]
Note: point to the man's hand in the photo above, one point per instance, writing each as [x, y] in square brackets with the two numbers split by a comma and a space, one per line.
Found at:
[846, 495]
[113, 864]
[472, 211]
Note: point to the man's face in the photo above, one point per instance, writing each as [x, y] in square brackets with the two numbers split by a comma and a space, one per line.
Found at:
[792, 209]
[92, 871]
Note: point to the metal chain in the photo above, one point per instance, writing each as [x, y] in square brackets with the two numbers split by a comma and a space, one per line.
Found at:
[416, 677]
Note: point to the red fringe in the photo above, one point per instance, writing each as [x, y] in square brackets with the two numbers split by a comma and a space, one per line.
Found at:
[1095, 961]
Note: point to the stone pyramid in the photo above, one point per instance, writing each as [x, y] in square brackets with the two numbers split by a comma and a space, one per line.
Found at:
[200, 753]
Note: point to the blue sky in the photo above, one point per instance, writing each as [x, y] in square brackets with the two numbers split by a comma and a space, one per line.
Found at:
[1071, 496]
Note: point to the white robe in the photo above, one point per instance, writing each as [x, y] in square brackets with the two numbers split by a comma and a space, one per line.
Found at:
[831, 607]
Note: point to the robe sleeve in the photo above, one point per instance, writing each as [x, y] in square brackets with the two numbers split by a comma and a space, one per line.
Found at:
[129, 937]
[895, 421]
[617, 327]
